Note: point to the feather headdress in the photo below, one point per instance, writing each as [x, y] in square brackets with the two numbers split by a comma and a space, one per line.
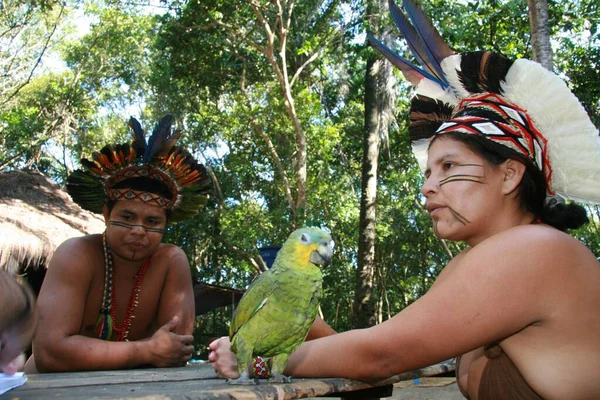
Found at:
[158, 159]
[518, 104]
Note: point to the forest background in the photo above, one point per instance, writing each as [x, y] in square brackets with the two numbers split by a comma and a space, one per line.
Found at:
[298, 120]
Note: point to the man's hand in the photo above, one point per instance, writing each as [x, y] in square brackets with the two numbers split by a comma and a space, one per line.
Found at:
[223, 360]
[169, 349]
[15, 365]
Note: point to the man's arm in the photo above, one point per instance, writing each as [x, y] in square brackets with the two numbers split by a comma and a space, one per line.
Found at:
[177, 296]
[59, 346]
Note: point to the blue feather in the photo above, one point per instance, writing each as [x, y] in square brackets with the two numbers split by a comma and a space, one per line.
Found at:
[411, 72]
[138, 132]
[427, 40]
[159, 138]
[424, 41]
[139, 138]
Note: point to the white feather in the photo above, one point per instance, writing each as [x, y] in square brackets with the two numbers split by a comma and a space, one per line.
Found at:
[573, 141]
[419, 149]
[431, 89]
[451, 66]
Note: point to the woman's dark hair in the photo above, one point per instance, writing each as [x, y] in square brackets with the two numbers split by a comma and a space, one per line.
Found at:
[532, 190]
[144, 184]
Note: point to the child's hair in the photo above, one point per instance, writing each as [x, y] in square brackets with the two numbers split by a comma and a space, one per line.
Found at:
[17, 303]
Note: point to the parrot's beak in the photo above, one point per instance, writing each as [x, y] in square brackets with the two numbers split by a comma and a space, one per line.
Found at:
[322, 255]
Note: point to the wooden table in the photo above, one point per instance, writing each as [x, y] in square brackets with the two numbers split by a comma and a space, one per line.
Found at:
[197, 382]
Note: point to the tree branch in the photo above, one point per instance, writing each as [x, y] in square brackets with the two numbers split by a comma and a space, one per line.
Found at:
[258, 264]
[39, 60]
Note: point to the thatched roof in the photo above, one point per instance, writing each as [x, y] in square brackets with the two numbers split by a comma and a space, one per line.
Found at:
[36, 215]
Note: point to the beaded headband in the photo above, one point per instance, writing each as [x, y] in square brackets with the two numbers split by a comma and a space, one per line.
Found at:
[142, 171]
[518, 104]
[159, 159]
[492, 116]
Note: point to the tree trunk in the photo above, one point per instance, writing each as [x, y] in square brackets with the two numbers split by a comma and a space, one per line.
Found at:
[364, 303]
[540, 37]
[379, 102]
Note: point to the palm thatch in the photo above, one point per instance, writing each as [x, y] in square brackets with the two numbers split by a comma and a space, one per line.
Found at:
[36, 215]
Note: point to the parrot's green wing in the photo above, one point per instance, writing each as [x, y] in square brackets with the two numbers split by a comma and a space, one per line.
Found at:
[256, 296]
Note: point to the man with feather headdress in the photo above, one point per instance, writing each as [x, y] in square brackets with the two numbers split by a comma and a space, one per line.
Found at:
[123, 299]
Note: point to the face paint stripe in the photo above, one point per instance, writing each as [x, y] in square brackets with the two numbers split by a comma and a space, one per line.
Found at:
[128, 226]
[459, 217]
[470, 178]
[470, 165]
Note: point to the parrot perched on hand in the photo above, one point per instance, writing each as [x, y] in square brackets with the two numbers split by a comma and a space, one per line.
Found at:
[275, 314]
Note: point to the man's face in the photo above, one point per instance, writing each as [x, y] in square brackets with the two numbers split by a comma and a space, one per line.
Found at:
[134, 229]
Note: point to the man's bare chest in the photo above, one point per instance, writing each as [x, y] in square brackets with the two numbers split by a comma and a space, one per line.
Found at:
[131, 303]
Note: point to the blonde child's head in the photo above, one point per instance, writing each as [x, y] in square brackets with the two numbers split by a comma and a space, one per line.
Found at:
[18, 317]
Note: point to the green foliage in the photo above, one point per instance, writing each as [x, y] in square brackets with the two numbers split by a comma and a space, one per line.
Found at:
[579, 52]
[26, 33]
[40, 123]
[589, 234]
[112, 60]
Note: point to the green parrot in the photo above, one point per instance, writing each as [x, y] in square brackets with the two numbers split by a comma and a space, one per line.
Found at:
[279, 307]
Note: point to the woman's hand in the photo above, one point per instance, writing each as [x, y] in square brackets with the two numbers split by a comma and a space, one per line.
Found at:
[223, 360]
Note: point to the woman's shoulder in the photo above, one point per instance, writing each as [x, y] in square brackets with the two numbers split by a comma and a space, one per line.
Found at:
[525, 238]
[531, 247]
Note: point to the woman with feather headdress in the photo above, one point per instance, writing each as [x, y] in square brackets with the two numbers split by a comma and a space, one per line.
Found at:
[123, 299]
[505, 146]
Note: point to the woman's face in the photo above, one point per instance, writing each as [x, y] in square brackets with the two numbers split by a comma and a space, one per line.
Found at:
[463, 191]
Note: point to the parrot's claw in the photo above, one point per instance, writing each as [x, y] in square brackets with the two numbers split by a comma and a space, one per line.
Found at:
[280, 378]
[243, 381]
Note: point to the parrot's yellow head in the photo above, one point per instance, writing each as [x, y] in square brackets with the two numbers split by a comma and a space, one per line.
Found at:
[308, 246]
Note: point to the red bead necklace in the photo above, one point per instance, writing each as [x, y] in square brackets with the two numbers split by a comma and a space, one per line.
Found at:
[123, 332]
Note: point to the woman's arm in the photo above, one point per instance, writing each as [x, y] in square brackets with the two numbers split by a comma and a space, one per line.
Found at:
[494, 291]
[224, 360]
[319, 329]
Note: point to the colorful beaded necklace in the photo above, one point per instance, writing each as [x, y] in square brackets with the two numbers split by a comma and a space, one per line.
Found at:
[106, 324]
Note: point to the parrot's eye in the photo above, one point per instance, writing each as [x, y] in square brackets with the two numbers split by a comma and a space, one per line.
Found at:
[304, 238]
